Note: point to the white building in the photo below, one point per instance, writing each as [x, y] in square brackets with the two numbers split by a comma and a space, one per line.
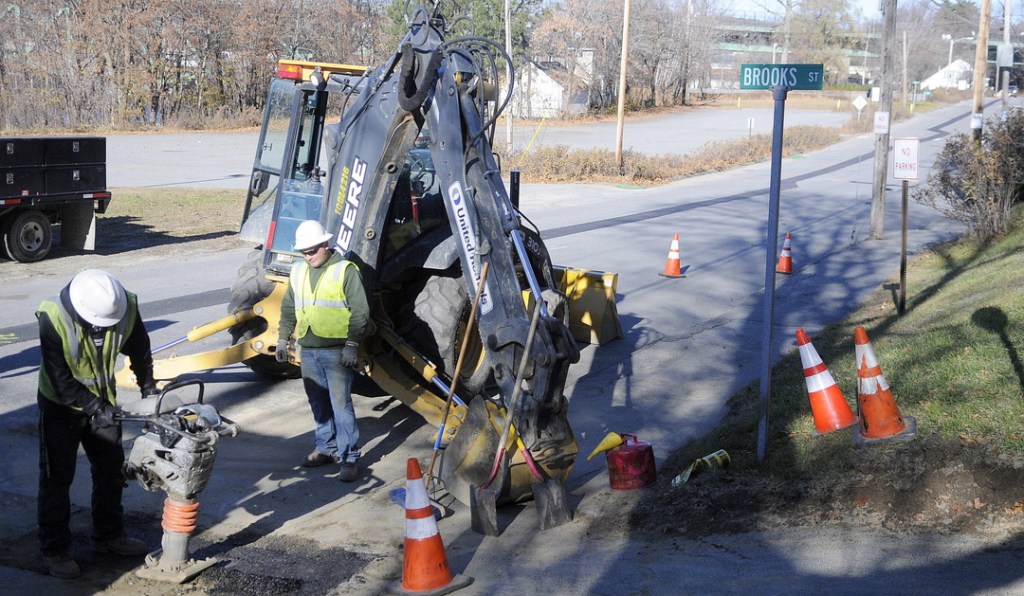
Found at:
[537, 94]
[544, 88]
[956, 75]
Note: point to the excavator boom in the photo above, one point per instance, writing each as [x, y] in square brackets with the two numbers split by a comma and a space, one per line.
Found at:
[407, 182]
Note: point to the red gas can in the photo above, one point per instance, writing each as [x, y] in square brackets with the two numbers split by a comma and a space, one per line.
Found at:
[631, 465]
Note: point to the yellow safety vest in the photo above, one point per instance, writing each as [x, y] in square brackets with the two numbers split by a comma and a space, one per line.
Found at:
[94, 370]
[323, 309]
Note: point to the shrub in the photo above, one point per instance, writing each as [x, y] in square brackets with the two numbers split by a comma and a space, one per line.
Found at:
[977, 183]
[559, 163]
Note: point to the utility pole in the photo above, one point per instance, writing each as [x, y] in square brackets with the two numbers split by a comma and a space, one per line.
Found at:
[686, 54]
[508, 50]
[786, 31]
[1007, 47]
[622, 86]
[881, 170]
[904, 90]
[980, 70]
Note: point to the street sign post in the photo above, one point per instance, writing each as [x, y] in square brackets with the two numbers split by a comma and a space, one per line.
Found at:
[793, 76]
[780, 78]
[904, 167]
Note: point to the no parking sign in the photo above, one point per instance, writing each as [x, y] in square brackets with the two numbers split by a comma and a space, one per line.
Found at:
[904, 159]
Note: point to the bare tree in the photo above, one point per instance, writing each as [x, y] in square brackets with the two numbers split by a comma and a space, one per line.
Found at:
[825, 31]
[572, 27]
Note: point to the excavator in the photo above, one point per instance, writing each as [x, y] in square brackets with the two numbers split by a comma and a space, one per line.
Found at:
[407, 181]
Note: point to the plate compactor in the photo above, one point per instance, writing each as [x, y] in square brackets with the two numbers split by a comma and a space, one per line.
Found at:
[175, 454]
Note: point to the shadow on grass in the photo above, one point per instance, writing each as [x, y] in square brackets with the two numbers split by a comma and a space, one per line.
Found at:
[122, 234]
[992, 318]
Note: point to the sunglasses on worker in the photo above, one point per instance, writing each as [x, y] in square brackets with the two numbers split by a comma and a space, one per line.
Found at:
[312, 251]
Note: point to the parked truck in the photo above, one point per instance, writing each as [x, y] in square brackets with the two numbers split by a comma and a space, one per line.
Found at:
[45, 181]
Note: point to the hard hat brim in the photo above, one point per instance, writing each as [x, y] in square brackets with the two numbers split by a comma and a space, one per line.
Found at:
[101, 321]
[311, 243]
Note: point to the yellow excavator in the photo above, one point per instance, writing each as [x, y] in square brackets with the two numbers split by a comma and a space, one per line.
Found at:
[405, 178]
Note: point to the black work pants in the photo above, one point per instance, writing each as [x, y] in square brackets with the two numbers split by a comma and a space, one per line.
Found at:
[61, 431]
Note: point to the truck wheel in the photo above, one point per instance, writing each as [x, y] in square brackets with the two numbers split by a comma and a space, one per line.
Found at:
[250, 287]
[442, 309]
[27, 236]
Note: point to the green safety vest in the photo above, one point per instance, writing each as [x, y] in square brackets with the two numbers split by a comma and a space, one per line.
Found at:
[323, 309]
[94, 370]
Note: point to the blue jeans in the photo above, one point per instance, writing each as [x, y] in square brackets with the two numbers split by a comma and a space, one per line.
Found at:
[328, 387]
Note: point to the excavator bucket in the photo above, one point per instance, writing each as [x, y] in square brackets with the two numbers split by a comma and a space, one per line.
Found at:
[468, 461]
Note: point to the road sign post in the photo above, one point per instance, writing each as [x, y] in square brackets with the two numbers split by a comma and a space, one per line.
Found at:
[904, 167]
[780, 78]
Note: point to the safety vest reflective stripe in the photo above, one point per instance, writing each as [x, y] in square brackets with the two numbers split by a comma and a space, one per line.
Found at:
[93, 370]
[337, 276]
[323, 309]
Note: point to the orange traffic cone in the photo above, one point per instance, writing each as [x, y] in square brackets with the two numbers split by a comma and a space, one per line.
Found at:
[831, 412]
[425, 568]
[880, 419]
[785, 259]
[672, 262]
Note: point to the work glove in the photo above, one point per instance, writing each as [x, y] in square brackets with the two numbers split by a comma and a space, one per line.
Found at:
[350, 355]
[150, 390]
[281, 354]
[103, 416]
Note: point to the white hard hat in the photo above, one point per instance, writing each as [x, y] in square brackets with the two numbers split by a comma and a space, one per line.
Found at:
[309, 234]
[98, 297]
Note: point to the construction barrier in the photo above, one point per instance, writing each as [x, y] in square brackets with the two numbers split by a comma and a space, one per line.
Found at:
[593, 316]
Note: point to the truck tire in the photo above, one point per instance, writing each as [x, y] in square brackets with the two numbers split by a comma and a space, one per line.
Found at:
[3, 245]
[442, 311]
[26, 236]
[251, 286]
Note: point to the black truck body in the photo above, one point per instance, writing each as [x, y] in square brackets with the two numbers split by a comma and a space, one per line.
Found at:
[45, 181]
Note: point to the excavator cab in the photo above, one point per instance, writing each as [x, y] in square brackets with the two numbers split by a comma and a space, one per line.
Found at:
[288, 179]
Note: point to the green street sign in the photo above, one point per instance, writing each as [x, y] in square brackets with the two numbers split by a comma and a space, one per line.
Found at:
[793, 76]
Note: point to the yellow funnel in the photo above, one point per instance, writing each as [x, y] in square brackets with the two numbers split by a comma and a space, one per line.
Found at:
[610, 441]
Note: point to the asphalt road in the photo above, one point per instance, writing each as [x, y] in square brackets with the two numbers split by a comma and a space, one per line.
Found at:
[689, 344]
[224, 160]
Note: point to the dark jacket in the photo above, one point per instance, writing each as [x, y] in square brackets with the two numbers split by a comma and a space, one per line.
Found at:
[70, 392]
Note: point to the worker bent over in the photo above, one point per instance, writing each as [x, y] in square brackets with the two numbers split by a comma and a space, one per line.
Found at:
[81, 333]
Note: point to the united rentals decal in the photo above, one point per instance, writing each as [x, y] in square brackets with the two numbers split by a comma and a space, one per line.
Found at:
[467, 236]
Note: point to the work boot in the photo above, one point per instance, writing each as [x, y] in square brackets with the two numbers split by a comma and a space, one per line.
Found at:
[317, 459]
[349, 472]
[62, 565]
[123, 545]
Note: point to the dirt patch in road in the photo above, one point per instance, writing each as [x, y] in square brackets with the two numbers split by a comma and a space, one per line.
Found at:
[929, 484]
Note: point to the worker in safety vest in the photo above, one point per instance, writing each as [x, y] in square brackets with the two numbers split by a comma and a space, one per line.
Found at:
[81, 333]
[326, 308]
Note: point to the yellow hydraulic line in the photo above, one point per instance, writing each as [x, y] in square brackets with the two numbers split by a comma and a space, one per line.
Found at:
[209, 329]
[409, 390]
[414, 358]
[221, 324]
